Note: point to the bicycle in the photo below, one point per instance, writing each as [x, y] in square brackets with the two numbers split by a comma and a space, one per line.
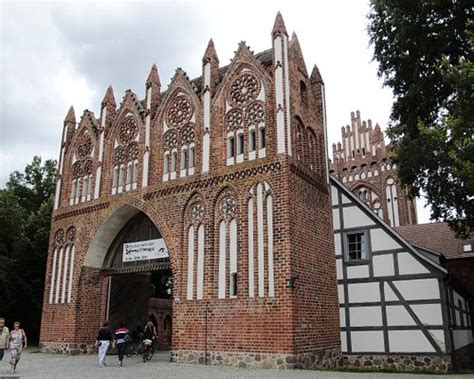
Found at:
[147, 350]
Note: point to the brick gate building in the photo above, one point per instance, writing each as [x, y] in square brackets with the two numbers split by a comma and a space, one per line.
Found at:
[226, 177]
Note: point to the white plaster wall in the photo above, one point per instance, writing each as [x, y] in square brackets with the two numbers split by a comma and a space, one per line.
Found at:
[189, 292]
[409, 341]
[250, 248]
[53, 276]
[407, 265]
[222, 258]
[271, 281]
[354, 217]
[359, 271]
[342, 317]
[345, 199]
[365, 316]
[337, 244]
[71, 273]
[418, 289]
[383, 265]
[334, 197]
[343, 342]
[200, 263]
[397, 315]
[335, 219]
[382, 241]
[339, 268]
[367, 341]
[340, 293]
[363, 292]
[429, 314]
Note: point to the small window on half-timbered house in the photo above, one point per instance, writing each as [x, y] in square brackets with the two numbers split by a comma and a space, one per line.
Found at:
[357, 246]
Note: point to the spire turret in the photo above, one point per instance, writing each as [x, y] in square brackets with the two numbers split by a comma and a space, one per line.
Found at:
[210, 53]
[109, 98]
[279, 25]
[70, 117]
[153, 77]
[316, 76]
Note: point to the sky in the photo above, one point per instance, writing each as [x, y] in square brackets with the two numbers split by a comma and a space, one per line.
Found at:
[62, 53]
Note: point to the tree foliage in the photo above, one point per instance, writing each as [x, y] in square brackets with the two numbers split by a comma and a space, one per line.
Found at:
[25, 220]
[424, 49]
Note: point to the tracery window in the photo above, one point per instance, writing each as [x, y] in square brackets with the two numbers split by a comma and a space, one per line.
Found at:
[179, 137]
[82, 170]
[126, 156]
[392, 202]
[195, 245]
[245, 120]
[227, 232]
[62, 269]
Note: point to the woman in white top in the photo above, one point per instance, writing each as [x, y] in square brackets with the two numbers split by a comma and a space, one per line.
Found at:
[17, 342]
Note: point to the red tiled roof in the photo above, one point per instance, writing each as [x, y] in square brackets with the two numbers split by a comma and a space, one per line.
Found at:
[437, 237]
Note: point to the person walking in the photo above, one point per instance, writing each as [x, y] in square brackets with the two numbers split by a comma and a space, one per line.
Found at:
[18, 341]
[104, 338]
[120, 341]
[4, 337]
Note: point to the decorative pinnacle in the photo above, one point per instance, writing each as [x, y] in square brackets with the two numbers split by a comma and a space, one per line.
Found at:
[153, 77]
[70, 117]
[210, 52]
[316, 76]
[279, 25]
[109, 98]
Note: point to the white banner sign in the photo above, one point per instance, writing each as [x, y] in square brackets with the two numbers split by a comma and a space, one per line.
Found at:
[144, 250]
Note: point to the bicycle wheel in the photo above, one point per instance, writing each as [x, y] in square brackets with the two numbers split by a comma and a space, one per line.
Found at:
[149, 353]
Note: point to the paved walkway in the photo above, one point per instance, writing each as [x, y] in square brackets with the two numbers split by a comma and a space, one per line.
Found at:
[37, 365]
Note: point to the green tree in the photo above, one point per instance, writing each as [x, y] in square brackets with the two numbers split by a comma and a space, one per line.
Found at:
[424, 49]
[25, 220]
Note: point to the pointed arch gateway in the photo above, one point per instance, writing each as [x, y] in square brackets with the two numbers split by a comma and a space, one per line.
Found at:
[132, 255]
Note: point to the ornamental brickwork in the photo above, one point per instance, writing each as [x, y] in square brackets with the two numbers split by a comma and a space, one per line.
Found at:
[231, 170]
[362, 161]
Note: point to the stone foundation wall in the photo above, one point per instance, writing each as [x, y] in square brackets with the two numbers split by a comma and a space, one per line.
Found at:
[328, 359]
[426, 363]
[314, 360]
[238, 359]
[66, 348]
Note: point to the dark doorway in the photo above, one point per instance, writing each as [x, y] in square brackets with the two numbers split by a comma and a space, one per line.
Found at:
[139, 291]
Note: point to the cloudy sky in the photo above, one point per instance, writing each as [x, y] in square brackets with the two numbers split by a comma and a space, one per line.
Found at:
[54, 54]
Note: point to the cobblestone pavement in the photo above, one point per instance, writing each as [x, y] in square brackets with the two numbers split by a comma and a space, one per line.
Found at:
[37, 365]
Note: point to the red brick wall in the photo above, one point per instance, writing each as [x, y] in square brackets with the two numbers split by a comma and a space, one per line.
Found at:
[296, 320]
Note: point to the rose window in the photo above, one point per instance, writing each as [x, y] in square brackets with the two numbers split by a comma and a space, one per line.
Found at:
[179, 112]
[85, 146]
[244, 89]
[128, 130]
[234, 119]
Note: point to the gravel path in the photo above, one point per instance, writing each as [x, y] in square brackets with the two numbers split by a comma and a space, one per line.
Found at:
[37, 365]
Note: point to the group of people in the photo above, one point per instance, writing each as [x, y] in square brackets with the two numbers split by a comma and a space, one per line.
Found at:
[119, 339]
[14, 340]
